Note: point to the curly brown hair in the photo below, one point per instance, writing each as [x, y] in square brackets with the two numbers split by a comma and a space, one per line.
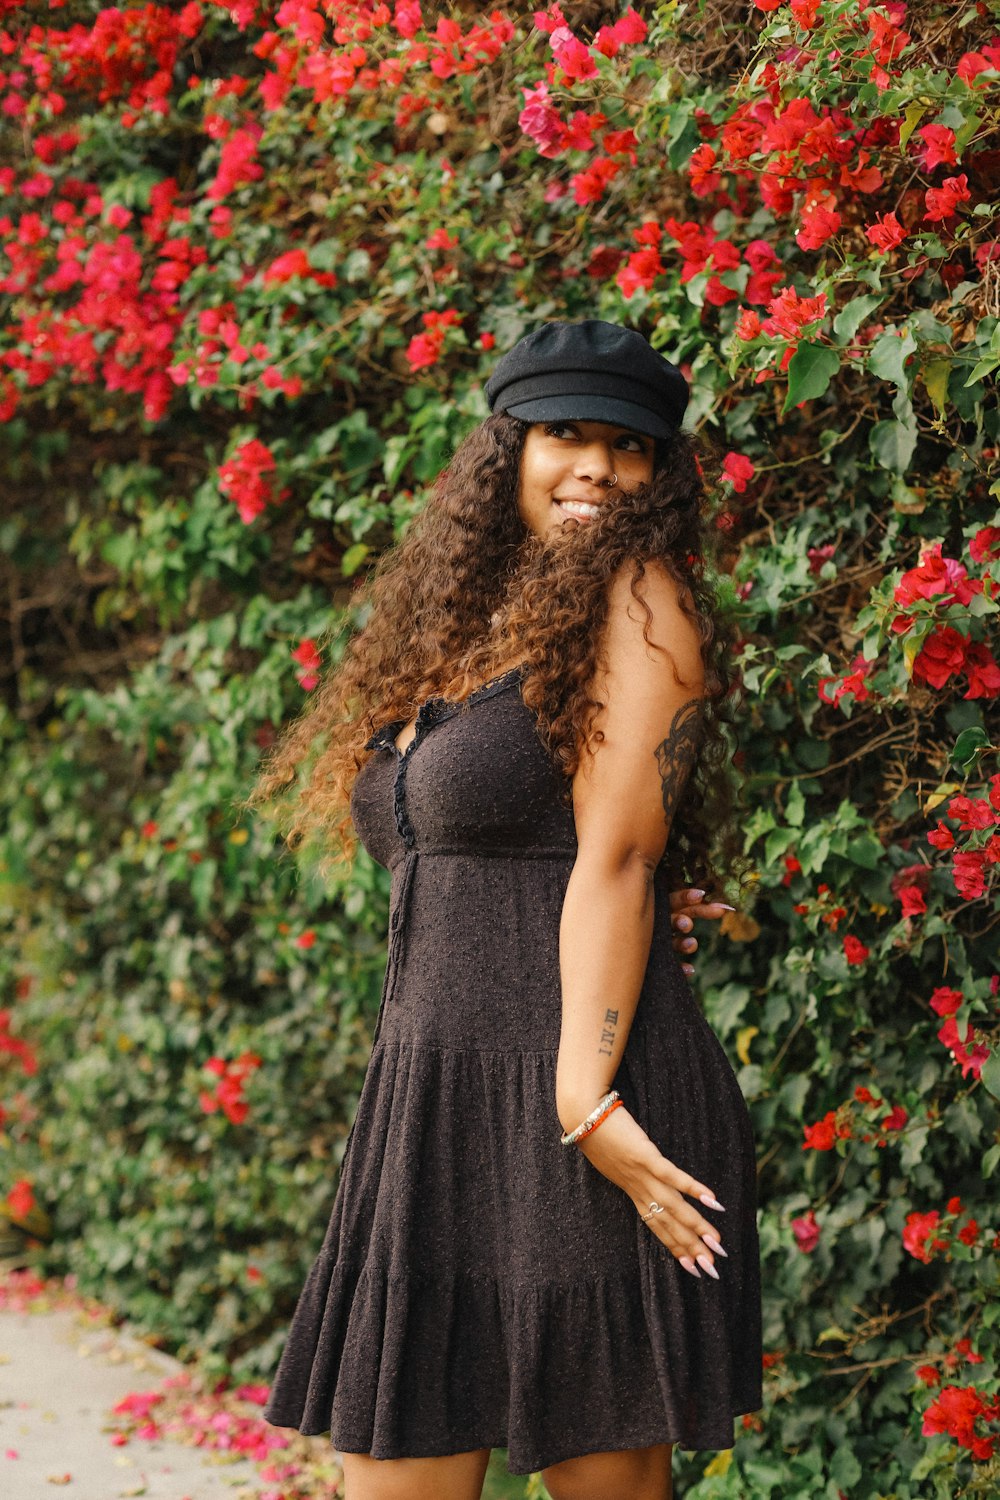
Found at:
[468, 590]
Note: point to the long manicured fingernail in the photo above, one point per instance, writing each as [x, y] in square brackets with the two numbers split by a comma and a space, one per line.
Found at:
[687, 969]
[726, 906]
[689, 1265]
[706, 1265]
[695, 895]
[710, 1202]
[713, 1244]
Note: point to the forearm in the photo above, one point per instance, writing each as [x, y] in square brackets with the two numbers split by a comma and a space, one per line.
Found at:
[604, 942]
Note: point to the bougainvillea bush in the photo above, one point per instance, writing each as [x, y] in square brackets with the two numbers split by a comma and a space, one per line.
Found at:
[256, 261]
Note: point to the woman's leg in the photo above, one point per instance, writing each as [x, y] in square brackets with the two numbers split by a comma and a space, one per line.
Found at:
[458, 1477]
[633, 1474]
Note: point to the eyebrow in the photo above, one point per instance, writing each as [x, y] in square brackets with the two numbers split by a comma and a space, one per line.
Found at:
[622, 431]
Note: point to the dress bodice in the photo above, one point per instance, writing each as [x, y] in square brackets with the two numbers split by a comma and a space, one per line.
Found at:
[476, 778]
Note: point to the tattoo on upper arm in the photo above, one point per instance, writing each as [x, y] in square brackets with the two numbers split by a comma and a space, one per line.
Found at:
[677, 753]
[608, 1034]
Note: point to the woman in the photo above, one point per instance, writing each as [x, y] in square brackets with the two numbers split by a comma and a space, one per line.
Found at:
[529, 1188]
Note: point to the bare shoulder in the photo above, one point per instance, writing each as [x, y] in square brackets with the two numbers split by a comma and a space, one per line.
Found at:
[650, 685]
[651, 642]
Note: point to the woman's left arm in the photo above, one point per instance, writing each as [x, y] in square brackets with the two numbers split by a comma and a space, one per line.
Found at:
[624, 797]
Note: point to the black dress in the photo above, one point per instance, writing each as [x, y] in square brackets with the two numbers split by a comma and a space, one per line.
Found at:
[480, 1285]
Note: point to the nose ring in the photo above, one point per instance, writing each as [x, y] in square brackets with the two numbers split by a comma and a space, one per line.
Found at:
[612, 481]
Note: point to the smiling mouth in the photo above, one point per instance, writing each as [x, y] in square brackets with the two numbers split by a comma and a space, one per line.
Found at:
[579, 509]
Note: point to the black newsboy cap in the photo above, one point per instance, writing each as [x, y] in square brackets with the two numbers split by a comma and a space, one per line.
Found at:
[589, 371]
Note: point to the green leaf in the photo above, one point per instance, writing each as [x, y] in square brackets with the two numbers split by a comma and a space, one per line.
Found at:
[984, 367]
[991, 1074]
[911, 119]
[888, 356]
[935, 377]
[852, 315]
[968, 744]
[812, 367]
[353, 558]
[892, 444]
[990, 1159]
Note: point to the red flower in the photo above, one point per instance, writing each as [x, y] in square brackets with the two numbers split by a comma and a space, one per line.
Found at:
[939, 146]
[425, 349]
[821, 1135]
[854, 950]
[589, 186]
[985, 545]
[919, 1229]
[309, 659]
[971, 64]
[946, 1002]
[789, 314]
[954, 1411]
[703, 179]
[244, 478]
[640, 271]
[934, 575]
[982, 671]
[896, 1118]
[819, 222]
[941, 657]
[21, 1199]
[306, 939]
[293, 263]
[738, 469]
[928, 1375]
[747, 324]
[941, 203]
[886, 233]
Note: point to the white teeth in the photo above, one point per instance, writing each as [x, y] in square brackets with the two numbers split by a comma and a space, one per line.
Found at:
[578, 508]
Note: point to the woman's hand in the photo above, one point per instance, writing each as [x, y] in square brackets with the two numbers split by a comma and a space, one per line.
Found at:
[622, 1151]
[685, 905]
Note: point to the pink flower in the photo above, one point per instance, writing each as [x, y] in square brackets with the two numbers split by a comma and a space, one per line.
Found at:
[807, 1232]
[573, 56]
[540, 121]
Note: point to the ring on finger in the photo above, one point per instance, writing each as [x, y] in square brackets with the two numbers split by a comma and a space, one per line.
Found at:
[654, 1208]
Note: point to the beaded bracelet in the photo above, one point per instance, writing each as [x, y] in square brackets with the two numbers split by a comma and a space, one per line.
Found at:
[610, 1102]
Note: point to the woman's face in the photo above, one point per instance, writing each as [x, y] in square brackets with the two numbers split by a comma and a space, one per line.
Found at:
[566, 468]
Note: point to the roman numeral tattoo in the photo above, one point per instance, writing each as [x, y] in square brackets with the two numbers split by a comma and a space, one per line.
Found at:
[608, 1034]
[677, 754]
